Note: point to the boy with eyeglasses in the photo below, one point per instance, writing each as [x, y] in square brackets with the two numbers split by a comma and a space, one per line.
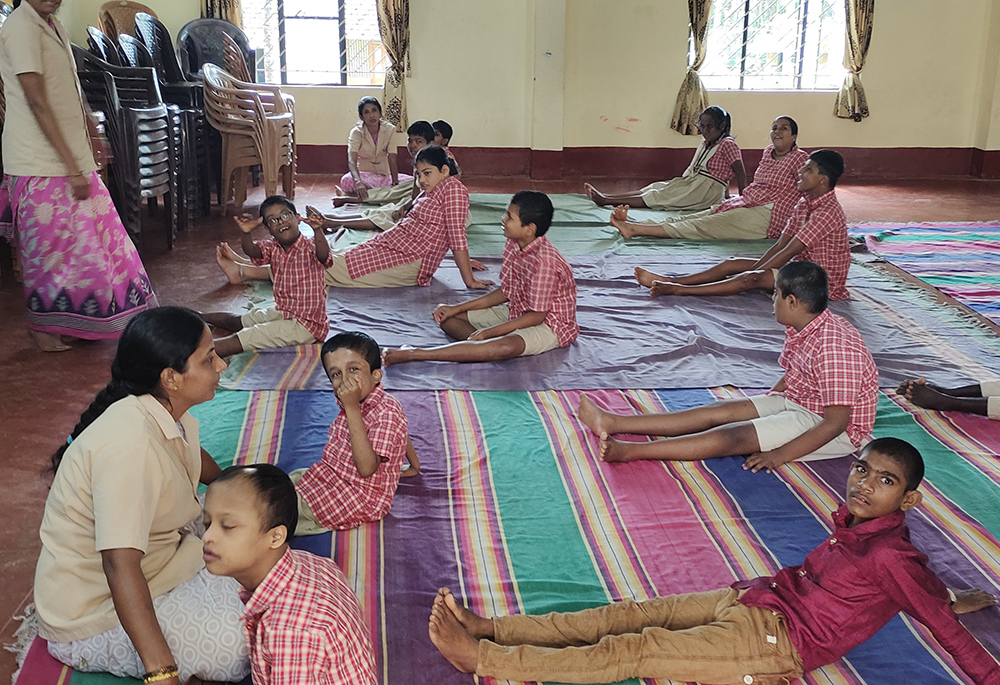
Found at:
[298, 267]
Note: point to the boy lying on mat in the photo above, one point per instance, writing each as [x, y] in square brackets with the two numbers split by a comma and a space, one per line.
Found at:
[978, 398]
[302, 621]
[298, 266]
[816, 231]
[767, 630]
[534, 309]
[823, 407]
[356, 479]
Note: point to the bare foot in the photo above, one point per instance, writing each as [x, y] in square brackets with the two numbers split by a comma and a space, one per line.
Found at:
[595, 195]
[233, 271]
[903, 387]
[397, 356]
[612, 450]
[452, 640]
[232, 254]
[660, 288]
[619, 219]
[47, 342]
[647, 278]
[474, 624]
[341, 200]
[596, 419]
[967, 601]
[927, 397]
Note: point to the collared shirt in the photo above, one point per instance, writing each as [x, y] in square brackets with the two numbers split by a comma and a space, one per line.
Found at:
[337, 494]
[827, 364]
[720, 165]
[127, 482]
[435, 225]
[299, 282]
[303, 625]
[821, 225]
[853, 583]
[538, 279]
[775, 182]
[28, 44]
[373, 154]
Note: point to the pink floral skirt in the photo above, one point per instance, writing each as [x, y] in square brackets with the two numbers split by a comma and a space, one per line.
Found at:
[371, 180]
[82, 274]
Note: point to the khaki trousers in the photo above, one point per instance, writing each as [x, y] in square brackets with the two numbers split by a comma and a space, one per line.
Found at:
[400, 276]
[704, 637]
[741, 223]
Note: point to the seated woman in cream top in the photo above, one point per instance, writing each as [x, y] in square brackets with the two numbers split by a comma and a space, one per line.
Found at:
[121, 585]
[371, 157]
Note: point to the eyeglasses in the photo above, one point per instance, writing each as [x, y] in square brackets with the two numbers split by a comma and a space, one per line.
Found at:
[275, 220]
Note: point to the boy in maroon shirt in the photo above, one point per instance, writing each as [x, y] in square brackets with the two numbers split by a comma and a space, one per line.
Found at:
[759, 631]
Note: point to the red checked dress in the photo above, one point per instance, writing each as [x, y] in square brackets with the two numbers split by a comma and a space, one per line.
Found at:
[538, 279]
[821, 225]
[703, 184]
[435, 225]
[299, 286]
[335, 491]
[303, 625]
[775, 182]
[827, 364]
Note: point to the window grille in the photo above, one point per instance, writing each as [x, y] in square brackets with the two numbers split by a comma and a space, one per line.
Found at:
[316, 42]
[775, 45]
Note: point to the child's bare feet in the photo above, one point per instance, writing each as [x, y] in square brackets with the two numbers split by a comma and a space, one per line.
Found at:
[341, 200]
[595, 418]
[967, 601]
[47, 342]
[660, 288]
[647, 278]
[396, 356]
[619, 219]
[612, 450]
[228, 265]
[926, 396]
[474, 624]
[452, 640]
[595, 195]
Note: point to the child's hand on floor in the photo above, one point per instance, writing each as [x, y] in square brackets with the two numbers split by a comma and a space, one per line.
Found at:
[967, 601]
[247, 223]
[765, 460]
[477, 265]
[349, 391]
[443, 312]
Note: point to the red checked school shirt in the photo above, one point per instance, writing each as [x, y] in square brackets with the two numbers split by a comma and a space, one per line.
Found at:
[538, 279]
[775, 181]
[303, 625]
[335, 491]
[435, 225]
[852, 584]
[720, 165]
[820, 224]
[827, 364]
[299, 282]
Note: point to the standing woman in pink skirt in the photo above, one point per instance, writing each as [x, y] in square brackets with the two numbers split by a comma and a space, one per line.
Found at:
[371, 158]
[82, 275]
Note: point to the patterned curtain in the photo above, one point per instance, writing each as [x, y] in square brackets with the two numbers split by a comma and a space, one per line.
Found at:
[230, 10]
[851, 100]
[394, 25]
[692, 99]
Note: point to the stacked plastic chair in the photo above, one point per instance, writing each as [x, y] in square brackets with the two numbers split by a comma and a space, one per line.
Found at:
[118, 17]
[200, 41]
[103, 47]
[145, 138]
[256, 128]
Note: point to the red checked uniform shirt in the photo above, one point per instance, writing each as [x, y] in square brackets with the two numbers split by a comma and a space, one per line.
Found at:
[775, 181]
[335, 491]
[720, 165]
[299, 285]
[538, 279]
[435, 225]
[827, 364]
[303, 625]
[852, 584]
[821, 225]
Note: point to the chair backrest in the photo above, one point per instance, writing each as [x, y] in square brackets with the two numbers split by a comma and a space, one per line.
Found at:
[156, 38]
[235, 62]
[102, 46]
[198, 42]
[136, 87]
[118, 16]
[136, 54]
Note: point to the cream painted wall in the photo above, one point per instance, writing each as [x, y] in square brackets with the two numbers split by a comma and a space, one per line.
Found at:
[173, 13]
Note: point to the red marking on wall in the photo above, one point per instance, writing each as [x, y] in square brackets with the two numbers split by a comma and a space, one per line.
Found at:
[632, 120]
[603, 118]
[622, 128]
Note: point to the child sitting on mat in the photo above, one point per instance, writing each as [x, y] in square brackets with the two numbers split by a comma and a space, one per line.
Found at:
[297, 265]
[978, 398]
[408, 253]
[442, 136]
[706, 180]
[823, 407]
[534, 309]
[362, 462]
[767, 630]
[303, 622]
[816, 231]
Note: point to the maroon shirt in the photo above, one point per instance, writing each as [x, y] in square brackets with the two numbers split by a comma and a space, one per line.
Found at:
[852, 584]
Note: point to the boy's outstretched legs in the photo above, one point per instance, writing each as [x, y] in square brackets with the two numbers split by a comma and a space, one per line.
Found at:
[966, 399]
[497, 349]
[236, 270]
[721, 271]
[740, 283]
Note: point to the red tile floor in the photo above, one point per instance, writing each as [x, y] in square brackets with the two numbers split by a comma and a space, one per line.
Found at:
[42, 395]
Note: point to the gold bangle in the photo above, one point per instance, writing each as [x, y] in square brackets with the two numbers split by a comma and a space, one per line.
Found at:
[160, 674]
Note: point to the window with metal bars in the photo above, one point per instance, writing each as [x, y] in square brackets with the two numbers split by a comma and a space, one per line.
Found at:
[316, 42]
[775, 45]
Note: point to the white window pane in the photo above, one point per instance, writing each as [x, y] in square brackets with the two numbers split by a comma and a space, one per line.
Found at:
[312, 51]
[312, 8]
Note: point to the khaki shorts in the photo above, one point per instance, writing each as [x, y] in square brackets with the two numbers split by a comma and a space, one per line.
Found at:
[263, 328]
[537, 339]
[395, 277]
[782, 420]
[307, 524]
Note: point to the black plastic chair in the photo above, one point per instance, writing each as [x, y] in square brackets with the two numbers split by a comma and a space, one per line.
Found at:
[102, 46]
[199, 42]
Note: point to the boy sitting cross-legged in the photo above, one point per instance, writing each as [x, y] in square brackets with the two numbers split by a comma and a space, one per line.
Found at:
[298, 266]
[533, 311]
[823, 407]
[816, 231]
[357, 478]
[767, 630]
[302, 621]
